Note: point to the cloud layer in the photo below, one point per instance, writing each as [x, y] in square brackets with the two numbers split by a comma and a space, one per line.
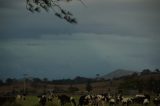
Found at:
[110, 34]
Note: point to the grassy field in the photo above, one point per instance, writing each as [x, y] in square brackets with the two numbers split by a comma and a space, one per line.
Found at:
[33, 101]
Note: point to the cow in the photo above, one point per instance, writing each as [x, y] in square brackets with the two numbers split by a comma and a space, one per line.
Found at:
[64, 99]
[126, 101]
[156, 101]
[42, 100]
[145, 102]
[21, 97]
[118, 98]
[140, 99]
[112, 102]
[50, 97]
[85, 100]
[99, 100]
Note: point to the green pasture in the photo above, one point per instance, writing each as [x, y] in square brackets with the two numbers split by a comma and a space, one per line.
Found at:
[33, 101]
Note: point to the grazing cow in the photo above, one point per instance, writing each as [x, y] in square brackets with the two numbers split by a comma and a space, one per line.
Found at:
[99, 100]
[140, 98]
[126, 101]
[85, 100]
[156, 101]
[66, 99]
[147, 97]
[112, 102]
[24, 96]
[118, 99]
[50, 98]
[42, 100]
[93, 100]
[21, 97]
[106, 97]
[145, 102]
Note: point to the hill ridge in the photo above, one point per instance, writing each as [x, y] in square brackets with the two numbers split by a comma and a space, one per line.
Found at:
[118, 73]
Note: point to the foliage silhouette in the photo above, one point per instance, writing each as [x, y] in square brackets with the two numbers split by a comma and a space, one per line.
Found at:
[38, 5]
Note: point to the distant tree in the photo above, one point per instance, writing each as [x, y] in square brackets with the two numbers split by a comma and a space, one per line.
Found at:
[9, 81]
[88, 86]
[145, 72]
[55, 5]
[135, 74]
[37, 80]
[45, 80]
[1, 82]
[97, 76]
[157, 70]
[80, 79]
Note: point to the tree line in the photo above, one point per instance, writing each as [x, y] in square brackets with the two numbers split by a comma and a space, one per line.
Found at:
[146, 80]
[77, 79]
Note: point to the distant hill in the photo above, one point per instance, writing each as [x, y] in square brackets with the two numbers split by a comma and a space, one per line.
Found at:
[118, 73]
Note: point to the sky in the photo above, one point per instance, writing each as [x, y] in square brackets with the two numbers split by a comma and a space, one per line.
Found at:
[110, 35]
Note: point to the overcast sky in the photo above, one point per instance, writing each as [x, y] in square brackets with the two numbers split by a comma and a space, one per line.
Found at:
[110, 35]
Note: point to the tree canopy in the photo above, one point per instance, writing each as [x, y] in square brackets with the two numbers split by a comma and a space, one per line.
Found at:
[60, 12]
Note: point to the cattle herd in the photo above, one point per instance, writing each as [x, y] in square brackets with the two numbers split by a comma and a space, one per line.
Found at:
[101, 100]
[91, 100]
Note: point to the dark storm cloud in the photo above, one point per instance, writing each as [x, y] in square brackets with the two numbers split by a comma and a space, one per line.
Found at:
[58, 58]
[82, 54]
[11, 4]
[6, 3]
[138, 18]
[110, 34]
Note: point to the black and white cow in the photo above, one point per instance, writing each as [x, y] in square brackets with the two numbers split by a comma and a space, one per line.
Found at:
[21, 97]
[118, 98]
[64, 99]
[85, 100]
[156, 101]
[42, 100]
[141, 99]
[112, 102]
[146, 102]
[93, 100]
[99, 100]
[126, 101]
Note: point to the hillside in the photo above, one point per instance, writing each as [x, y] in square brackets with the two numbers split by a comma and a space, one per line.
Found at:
[118, 73]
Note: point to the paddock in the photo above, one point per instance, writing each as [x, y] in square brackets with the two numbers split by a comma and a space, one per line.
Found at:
[34, 101]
